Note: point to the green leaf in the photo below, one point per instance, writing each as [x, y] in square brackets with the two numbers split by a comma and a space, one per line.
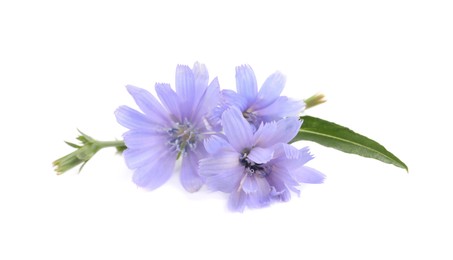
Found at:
[341, 138]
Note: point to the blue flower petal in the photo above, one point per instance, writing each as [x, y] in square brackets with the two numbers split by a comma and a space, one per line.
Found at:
[246, 82]
[287, 129]
[304, 155]
[279, 172]
[169, 99]
[223, 172]
[185, 89]
[131, 118]
[265, 133]
[290, 157]
[156, 172]
[307, 174]
[201, 80]
[215, 144]
[208, 101]
[261, 197]
[144, 138]
[136, 158]
[279, 191]
[237, 129]
[189, 177]
[282, 131]
[291, 152]
[201, 76]
[232, 98]
[281, 108]
[270, 91]
[248, 184]
[237, 201]
[226, 180]
[261, 155]
[149, 105]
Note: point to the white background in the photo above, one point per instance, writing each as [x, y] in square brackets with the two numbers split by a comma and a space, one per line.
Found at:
[385, 66]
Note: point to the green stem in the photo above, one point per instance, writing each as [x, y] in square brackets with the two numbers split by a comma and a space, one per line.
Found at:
[119, 144]
[84, 152]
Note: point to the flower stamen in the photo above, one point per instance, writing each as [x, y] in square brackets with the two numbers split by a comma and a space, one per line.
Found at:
[183, 137]
[252, 168]
[250, 116]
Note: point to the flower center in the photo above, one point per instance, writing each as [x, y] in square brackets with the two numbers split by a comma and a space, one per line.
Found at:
[183, 137]
[249, 116]
[252, 168]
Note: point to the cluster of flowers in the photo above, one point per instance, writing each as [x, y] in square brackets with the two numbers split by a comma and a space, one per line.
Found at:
[234, 142]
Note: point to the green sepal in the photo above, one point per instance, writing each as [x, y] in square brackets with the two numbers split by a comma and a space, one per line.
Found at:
[84, 152]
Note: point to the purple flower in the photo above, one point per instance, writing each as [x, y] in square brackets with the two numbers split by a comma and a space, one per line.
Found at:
[256, 168]
[265, 105]
[171, 129]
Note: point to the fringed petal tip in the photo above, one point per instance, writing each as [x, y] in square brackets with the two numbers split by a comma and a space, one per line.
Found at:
[307, 174]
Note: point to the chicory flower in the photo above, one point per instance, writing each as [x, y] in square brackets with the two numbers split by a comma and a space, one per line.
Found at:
[265, 105]
[256, 168]
[172, 128]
